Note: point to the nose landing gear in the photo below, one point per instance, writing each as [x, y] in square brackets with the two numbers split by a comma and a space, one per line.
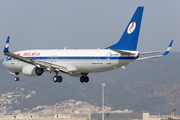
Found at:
[17, 77]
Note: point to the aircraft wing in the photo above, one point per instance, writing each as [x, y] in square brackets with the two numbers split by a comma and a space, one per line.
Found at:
[40, 64]
[152, 52]
[156, 56]
[50, 67]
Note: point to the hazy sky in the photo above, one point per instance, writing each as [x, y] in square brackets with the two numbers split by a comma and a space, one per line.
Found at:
[34, 24]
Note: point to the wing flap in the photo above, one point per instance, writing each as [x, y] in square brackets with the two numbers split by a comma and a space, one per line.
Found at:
[52, 67]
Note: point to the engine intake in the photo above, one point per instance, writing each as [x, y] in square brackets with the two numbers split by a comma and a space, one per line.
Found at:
[30, 70]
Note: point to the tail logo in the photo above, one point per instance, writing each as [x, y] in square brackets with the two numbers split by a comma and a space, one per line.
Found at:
[169, 48]
[7, 45]
[131, 27]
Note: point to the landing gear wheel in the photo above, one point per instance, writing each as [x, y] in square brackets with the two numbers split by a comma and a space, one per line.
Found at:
[84, 79]
[60, 79]
[55, 79]
[16, 78]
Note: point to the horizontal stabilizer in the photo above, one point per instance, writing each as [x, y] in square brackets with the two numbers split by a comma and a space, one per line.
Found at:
[122, 52]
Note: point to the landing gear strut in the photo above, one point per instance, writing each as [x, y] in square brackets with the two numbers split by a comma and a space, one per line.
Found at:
[57, 78]
[84, 78]
[17, 77]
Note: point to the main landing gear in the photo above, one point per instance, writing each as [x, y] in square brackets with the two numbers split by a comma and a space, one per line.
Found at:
[84, 78]
[57, 78]
[17, 77]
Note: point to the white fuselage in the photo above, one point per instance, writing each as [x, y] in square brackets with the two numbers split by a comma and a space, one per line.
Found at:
[75, 60]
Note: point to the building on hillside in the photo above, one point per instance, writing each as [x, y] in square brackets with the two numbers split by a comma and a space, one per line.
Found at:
[62, 116]
[123, 116]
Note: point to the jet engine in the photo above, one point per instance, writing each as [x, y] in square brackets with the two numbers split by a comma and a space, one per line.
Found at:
[30, 70]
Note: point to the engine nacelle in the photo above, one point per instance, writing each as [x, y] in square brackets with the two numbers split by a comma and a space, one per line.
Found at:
[30, 70]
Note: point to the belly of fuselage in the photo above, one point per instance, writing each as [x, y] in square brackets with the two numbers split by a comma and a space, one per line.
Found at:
[82, 66]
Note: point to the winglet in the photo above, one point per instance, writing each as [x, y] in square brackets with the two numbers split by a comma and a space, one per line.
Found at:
[6, 47]
[169, 48]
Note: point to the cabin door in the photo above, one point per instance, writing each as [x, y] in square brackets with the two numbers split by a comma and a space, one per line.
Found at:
[108, 58]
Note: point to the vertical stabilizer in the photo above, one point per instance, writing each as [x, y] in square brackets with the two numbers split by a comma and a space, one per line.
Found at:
[129, 39]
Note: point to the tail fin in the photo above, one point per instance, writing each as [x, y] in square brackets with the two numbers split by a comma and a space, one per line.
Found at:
[129, 39]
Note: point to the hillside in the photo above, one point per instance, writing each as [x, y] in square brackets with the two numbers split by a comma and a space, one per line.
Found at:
[151, 85]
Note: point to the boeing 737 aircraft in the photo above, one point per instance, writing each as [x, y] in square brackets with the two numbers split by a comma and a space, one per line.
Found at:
[80, 62]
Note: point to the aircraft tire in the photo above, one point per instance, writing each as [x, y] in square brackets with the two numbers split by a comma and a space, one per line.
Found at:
[16, 78]
[60, 79]
[55, 79]
[82, 79]
[86, 79]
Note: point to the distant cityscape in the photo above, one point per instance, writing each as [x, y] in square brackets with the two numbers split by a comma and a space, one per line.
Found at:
[66, 109]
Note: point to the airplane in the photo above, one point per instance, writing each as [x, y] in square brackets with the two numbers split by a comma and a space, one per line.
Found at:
[80, 62]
